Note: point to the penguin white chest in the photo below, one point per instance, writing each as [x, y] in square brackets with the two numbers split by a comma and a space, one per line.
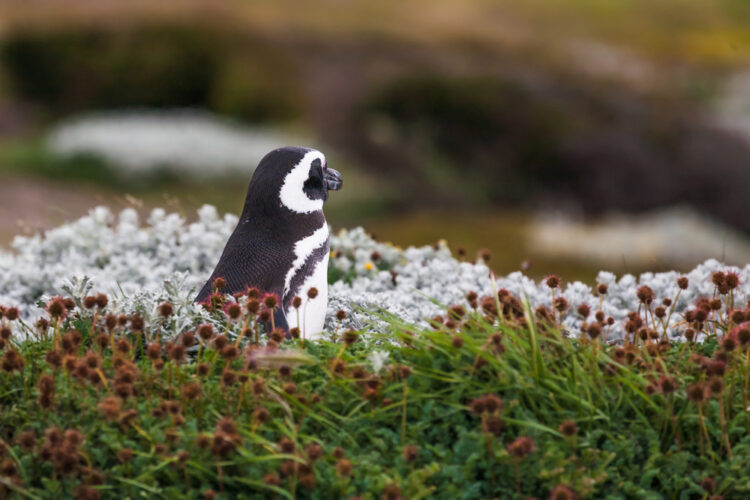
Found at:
[311, 315]
[309, 270]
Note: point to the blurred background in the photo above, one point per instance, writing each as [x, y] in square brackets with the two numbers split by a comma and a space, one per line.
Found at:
[564, 136]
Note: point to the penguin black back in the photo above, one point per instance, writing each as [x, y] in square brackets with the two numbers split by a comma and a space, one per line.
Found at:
[282, 211]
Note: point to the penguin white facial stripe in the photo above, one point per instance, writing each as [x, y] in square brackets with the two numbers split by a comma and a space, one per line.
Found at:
[302, 250]
[292, 192]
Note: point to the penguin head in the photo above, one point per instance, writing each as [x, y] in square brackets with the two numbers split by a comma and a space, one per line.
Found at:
[300, 177]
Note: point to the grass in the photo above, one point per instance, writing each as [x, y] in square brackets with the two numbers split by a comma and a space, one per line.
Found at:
[493, 401]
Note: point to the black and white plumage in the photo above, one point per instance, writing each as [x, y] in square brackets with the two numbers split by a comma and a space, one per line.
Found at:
[281, 242]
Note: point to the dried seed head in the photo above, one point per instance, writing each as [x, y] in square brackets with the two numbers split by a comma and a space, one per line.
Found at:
[166, 310]
[272, 479]
[312, 293]
[11, 313]
[296, 302]
[42, 324]
[708, 484]
[667, 384]
[552, 281]
[261, 415]
[46, 383]
[344, 467]
[493, 425]
[314, 451]
[206, 331]
[737, 316]
[561, 304]
[696, 392]
[286, 445]
[562, 492]
[594, 330]
[227, 424]
[717, 367]
[270, 300]
[123, 346]
[602, 288]
[521, 447]
[125, 455]
[220, 283]
[277, 335]
[137, 323]
[391, 492]
[584, 310]
[716, 386]
[110, 322]
[645, 294]
[230, 352]
[188, 339]
[683, 282]
[568, 428]
[493, 403]
[477, 405]
[220, 342]
[350, 337]
[743, 335]
[253, 306]
[54, 358]
[728, 343]
[153, 351]
[457, 312]
[411, 452]
[203, 441]
[192, 391]
[26, 440]
[56, 307]
[228, 378]
[110, 407]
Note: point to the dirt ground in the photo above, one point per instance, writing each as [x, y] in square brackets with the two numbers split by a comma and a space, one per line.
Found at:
[29, 205]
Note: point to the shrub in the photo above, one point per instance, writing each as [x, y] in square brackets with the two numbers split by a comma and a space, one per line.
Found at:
[101, 407]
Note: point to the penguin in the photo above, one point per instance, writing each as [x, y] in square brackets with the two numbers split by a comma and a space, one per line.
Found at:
[281, 242]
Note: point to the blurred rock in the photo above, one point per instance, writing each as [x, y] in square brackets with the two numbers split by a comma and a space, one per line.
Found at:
[677, 235]
[179, 141]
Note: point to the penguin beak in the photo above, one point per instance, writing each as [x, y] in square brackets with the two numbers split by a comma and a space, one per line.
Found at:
[334, 181]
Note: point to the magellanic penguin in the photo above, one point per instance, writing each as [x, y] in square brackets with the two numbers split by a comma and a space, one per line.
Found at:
[281, 242]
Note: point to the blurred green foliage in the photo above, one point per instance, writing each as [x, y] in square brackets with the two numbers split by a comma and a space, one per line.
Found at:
[75, 69]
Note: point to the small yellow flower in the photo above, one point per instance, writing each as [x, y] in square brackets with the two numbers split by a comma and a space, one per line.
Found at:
[332, 254]
[369, 266]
